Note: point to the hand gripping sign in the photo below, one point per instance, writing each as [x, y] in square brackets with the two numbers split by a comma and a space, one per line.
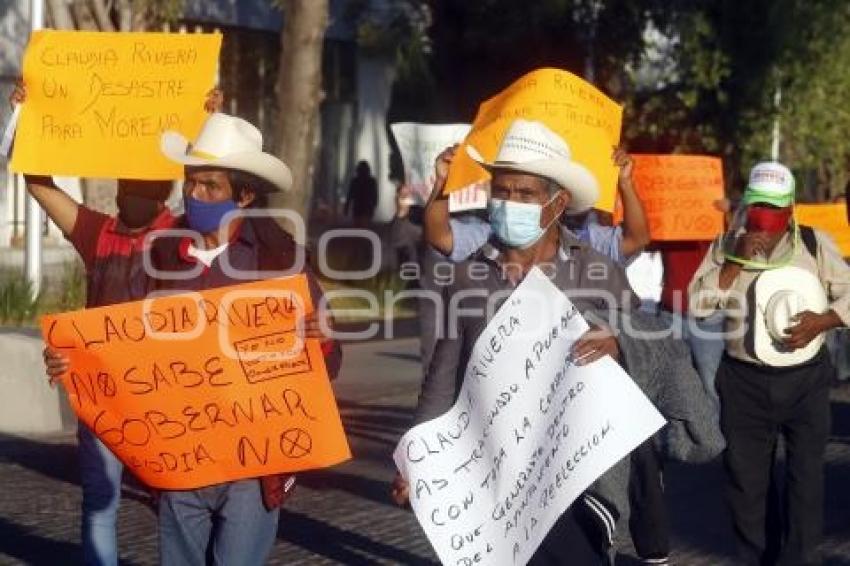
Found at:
[527, 435]
[201, 388]
[97, 102]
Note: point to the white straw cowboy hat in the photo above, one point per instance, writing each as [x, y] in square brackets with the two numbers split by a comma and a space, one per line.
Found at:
[531, 147]
[228, 142]
[780, 294]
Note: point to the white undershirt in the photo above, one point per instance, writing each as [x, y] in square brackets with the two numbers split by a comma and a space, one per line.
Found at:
[205, 256]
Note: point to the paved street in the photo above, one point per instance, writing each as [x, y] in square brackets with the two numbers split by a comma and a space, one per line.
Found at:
[343, 515]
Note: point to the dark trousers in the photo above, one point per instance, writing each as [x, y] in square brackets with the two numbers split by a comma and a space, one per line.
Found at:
[758, 404]
[649, 523]
[573, 540]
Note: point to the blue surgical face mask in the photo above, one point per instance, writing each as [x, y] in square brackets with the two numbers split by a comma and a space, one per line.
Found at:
[516, 224]
[205, 217]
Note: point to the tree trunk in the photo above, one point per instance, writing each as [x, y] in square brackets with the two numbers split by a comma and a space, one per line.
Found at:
[101, 15]
[84, 16]
[300, 94]
[125, 14]
[60, 14]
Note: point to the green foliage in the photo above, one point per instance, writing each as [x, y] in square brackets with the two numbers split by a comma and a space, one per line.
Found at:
[71, 294]
[17, 304]
[713, 92]
[815, 72]
[730, 57]
[383, 288]
[159, 12]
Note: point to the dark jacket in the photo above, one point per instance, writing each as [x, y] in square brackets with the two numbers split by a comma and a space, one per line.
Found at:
[585, 275]
[591, 280]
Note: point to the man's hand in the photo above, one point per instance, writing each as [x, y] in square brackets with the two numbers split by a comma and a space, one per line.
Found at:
[809, 326]
[319, 326]
[751, 244]
[624, 163]
[214, 101]
[441, 168]
[595, 344]
[56, 364]
[19, 94]
[723, 205]
[400, 491]
[403, 201]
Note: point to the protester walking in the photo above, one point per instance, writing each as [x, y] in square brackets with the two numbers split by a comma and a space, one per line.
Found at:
[362, 196]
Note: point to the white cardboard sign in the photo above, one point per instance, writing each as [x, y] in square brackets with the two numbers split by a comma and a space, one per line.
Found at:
[529, 432]
[420, 144]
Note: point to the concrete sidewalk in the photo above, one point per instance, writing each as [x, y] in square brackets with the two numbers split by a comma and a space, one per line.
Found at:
[343, 515]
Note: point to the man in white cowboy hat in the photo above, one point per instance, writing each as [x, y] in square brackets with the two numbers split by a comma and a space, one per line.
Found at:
[781, 288]
[528, 194]
[227, 172]
[458, 238]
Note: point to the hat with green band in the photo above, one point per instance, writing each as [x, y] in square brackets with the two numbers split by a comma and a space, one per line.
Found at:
[770, 183]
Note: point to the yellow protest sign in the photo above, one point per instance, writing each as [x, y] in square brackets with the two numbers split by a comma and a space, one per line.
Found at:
[831, 218]
[588, 120]
[201, 388]
[97, 102]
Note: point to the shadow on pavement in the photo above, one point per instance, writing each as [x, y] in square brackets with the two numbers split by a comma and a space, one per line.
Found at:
[373, 490]
[22, 545]
[58, 461]
[383, 424]
[401, 356]
[338, 544]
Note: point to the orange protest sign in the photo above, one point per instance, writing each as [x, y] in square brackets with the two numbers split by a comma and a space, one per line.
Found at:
[196, 389]
[831, 218]
[588, 120]
[678, 193]
[97, 102]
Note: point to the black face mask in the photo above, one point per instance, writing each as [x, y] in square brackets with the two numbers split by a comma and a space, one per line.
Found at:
[136, 211]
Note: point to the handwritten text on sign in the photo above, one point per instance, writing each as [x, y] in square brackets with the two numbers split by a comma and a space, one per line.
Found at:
[529, 433]
[98, 102]
[200, 388]
[678, 193]
[588, 120]
[420, 144]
